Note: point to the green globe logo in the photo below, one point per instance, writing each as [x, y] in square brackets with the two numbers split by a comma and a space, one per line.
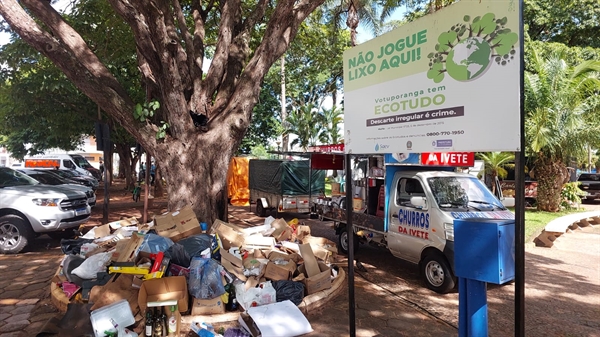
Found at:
[468, 59]
[466, 51]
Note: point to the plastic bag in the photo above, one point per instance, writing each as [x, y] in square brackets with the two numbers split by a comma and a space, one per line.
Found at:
[178, 255]
[194, 245]
[155, 243]
[93, 265]
[262, 294]
[205, 278]
[289, 290]
[73, 246]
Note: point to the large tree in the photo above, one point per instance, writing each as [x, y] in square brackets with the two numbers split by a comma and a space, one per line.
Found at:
[203, 116]
[562, 106]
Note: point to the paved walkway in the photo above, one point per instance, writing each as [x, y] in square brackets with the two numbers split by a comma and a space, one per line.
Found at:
[25, 304]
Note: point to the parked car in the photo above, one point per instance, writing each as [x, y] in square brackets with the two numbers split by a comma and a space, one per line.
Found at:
[590, 183]
[74, 175]
[49, 178]
[28, 209]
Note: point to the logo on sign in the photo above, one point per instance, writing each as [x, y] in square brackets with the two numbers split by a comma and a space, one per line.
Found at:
[409, 145]
[443, 143]
[381, 147]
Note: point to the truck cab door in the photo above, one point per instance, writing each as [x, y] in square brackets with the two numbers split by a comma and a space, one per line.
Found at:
[409, 223]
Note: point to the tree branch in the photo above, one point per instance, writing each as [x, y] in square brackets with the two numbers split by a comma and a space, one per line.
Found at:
[74, 58]
[187, 37]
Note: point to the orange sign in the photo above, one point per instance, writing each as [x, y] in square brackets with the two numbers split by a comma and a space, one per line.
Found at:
[45, 163]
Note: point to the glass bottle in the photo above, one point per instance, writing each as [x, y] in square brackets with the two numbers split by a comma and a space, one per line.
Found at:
[149, 331]
[232, 304]
[173, 323]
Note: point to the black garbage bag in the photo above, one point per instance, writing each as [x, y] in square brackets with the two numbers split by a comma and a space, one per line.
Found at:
[178, 255]
[73, 246]
[289, 290]
[69, 264]
[194, 245]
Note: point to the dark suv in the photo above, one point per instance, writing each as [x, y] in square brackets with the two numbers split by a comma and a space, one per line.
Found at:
[590, 183]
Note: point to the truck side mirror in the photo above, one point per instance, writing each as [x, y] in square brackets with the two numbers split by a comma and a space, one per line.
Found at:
[419, 202]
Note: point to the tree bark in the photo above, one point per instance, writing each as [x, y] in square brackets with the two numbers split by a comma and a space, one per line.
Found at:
[194, 161]
[126, 164]
[551, 175]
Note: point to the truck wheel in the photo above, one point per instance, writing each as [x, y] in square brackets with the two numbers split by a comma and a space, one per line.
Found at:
[260, 210]
[343, 241]
[15, 233]
[437, 274]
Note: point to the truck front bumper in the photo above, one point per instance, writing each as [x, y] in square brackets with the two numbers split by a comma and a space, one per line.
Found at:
[50, 219]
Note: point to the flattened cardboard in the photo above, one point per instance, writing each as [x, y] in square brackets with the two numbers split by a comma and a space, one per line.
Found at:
[258, 242]
[317, 282]
[208, 307]
[177, 225]
[277, 254]
[302, 231]
[126, 250]
[322, 242]
[266, 320]
[310, 262]
[164, 289]
[231, 236]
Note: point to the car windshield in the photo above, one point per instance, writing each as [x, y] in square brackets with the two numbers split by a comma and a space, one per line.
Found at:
[588, 177]
[81, 161]
[66, 173]
[48, 179]
[462, 192]
[10, 177]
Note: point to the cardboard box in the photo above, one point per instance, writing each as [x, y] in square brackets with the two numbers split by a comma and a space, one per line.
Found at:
[126, 250]
[177, 225]
[283, 231]
[318, 282]
[322, 242]
[277, 272]
[232, 264]
[154, 291]
[208, 307]
[231, 236]
[275, 255]
[302, 231]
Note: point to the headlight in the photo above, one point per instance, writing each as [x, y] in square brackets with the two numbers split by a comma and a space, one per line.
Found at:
[46, 202]
[88, 173]
[449, 231]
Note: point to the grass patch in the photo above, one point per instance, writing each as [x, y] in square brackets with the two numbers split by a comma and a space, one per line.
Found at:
[535, 220]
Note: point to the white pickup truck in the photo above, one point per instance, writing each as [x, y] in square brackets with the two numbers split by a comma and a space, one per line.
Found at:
[28, 208]
[415, 219]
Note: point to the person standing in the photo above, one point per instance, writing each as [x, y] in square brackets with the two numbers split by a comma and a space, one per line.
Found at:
[101, 170]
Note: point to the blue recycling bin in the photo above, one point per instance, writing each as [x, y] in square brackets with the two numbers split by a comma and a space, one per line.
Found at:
[484, 252]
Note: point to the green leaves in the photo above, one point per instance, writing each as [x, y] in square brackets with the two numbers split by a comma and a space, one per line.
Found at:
[162, 130]
[145, 111]
[503, 43]
[446, 41]
[485, 25]
[436, 73]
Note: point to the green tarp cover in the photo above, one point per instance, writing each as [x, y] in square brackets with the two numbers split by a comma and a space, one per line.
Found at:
[285, 177]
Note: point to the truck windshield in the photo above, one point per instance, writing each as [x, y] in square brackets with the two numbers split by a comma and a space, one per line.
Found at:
[464, 192]
[81, 162]
[9, 177]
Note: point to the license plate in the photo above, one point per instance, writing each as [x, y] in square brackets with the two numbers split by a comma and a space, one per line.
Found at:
[81, 211]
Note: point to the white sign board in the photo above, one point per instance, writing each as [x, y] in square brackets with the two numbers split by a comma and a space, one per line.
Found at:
[446, 82]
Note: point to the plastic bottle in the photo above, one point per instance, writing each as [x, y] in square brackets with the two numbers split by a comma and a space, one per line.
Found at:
[173, 323]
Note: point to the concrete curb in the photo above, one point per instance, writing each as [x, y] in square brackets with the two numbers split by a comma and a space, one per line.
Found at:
[309, 303]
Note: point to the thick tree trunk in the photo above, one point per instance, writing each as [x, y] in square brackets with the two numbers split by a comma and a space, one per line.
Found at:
[126, 163]
[195, 175]
[551, 175]
[159, 189]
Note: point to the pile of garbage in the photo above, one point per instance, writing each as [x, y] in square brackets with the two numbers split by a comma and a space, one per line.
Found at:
[140, 279]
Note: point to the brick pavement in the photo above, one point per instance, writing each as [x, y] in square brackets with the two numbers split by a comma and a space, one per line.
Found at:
[25, 305]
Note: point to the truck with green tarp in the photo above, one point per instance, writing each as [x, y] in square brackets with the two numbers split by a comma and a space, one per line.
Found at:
[284, 185]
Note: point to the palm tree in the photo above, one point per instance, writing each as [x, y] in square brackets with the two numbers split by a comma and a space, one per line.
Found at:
[562, 106]
[306, 123]
[495, 164]
[330, 134]
[370, 13]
